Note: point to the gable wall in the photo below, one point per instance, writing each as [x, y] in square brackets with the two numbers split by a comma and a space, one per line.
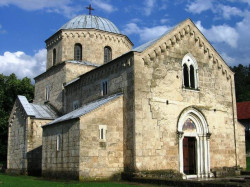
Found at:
[17, 141]
[158, 79]
[24, 142]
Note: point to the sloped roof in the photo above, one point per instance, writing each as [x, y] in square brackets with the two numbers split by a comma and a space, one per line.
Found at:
[85, 109]
[243, 110]
[83, 63]
[35, 110]
[144, 46]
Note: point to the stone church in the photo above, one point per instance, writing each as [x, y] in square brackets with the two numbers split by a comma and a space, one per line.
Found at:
[103, 107]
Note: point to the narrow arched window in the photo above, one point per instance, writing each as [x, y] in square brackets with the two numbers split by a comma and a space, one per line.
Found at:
[54, 57]
[107, 54]
[185, 75]
[190, 72]
[192, 80]
[78, 52]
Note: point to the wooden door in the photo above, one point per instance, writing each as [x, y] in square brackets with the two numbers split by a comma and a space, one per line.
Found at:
[189, 156]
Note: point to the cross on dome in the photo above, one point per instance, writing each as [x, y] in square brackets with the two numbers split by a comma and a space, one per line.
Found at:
[90, 9]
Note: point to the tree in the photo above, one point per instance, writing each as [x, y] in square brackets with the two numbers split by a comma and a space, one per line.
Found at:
[10, 87]
[242, 82]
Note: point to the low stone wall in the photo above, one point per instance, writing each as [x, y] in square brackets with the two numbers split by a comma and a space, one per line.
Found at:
[226, 171]
[155, 174]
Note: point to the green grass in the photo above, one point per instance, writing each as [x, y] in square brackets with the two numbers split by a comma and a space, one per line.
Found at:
[28, 181]
[248, 164]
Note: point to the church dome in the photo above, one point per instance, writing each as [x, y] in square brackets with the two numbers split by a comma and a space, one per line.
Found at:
[93, 22]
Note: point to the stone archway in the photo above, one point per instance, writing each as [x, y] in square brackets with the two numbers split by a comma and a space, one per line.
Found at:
[192, 125]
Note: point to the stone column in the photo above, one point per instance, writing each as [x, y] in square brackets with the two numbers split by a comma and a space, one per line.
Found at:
[180, 137]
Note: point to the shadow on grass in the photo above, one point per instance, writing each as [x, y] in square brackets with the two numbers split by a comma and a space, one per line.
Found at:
[29, 181]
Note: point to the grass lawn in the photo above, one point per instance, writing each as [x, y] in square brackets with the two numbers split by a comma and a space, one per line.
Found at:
[28, 181]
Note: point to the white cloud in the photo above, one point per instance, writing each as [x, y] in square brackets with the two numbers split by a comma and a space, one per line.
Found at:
[163, 21]
[145, 33]
[2, 31]
[58, 6]
[228, 11]
[220, 33]
[22, 64]
[149, 5]
[104, 6]
[243, 1]
[199, 6]
[217, 7]
[229, 60]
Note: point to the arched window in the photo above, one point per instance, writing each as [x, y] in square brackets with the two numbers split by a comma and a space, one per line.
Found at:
[78, 52]
[190, 72]
[192, 82]
[107, 54]
[186, 76]
[54, 57]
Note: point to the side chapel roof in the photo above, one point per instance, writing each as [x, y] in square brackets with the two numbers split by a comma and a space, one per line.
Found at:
[35, 110]
[85, 109]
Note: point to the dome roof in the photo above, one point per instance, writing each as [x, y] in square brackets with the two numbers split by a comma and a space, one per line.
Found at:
[89, 21]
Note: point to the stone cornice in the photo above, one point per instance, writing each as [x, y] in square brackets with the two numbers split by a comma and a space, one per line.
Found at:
[88, 33]
[186, 29]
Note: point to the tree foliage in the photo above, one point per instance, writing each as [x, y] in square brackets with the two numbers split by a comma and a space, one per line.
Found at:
[10, 87]
[242, 82]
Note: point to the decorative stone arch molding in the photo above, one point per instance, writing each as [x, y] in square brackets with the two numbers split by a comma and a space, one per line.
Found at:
[200, 132]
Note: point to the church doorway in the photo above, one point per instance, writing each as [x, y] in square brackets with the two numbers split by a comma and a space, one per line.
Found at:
[194, 152]
[189, 155]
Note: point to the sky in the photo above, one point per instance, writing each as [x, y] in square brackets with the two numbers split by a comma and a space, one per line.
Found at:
[26, 24]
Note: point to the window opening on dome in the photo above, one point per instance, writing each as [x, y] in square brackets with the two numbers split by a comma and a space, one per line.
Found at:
[78, 52]
[107, 54]
[54, 57]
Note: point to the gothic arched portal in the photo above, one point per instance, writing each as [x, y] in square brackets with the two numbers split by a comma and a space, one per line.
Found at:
[194, 155]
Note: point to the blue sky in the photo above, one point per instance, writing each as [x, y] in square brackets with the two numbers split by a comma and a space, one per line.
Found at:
[26, 24]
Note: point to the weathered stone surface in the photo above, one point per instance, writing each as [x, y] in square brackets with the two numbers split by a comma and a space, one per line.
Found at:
[144, 128]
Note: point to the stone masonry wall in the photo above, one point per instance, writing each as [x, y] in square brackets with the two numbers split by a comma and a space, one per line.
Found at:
[34, 146]
[92, 41]
[160, 99]
[17, 141]
[57, 44]
[100, 159]
[120, 76]
[241, 145]
[55, 78]
[62, 162]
